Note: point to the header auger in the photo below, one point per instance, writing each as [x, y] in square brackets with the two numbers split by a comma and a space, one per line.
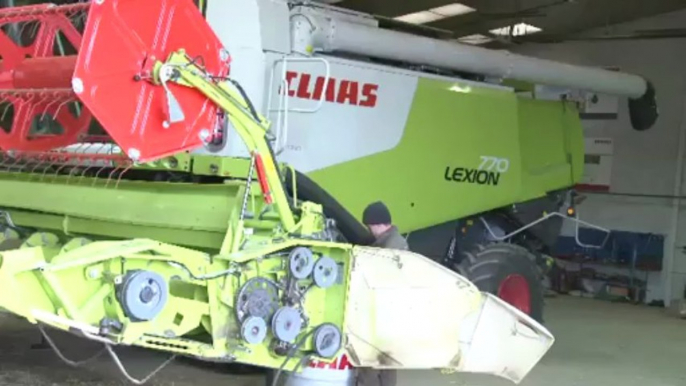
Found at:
[119, 235]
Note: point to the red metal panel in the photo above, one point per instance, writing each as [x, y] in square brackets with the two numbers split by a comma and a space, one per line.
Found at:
[122, 39]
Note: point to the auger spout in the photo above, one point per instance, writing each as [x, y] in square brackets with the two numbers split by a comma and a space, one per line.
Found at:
[323, 33]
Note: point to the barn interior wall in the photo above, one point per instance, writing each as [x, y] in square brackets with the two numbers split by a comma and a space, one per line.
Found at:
[646, 187]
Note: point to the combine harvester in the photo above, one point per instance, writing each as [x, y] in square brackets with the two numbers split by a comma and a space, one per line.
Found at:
[474, 166]
[147, 200]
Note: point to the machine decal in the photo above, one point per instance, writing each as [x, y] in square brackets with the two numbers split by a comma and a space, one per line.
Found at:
[342, 91]
[472, 176]
[488, 173]
[361, 111]
[501, 165]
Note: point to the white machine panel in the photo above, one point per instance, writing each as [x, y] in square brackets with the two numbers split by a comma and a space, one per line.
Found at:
[355, 111]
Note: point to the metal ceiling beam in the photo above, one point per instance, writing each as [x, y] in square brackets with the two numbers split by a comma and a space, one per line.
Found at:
[494, 14]
[570, 22]
[570, 18]
[394, 8]
[554, 16]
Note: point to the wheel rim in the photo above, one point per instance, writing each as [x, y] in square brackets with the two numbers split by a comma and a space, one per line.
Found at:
[515, 291]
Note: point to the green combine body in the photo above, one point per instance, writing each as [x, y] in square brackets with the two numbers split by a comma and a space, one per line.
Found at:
[465, 150]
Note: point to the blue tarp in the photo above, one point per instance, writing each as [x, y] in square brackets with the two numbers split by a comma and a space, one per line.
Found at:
[619, 248]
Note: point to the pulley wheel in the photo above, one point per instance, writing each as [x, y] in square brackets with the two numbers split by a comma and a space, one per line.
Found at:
[327, 340]
[258, 297]
[300, 262]
[254, 330]
[143, 295]
[286, 324]
[325, 272]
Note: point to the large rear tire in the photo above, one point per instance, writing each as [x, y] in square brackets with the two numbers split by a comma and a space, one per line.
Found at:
[509, 272]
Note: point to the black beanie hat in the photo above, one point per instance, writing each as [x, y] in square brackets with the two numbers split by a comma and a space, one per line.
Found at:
[376, 213]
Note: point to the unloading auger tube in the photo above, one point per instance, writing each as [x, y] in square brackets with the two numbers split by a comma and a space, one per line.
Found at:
[315, 31]
[274, 290]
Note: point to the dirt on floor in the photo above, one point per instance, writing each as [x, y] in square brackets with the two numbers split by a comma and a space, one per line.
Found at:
[22, 364]
[597, 343]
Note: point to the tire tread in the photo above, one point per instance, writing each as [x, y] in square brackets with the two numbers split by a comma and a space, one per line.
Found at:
[493, 262]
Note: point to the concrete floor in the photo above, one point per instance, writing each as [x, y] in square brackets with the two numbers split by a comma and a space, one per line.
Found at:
[598, 343]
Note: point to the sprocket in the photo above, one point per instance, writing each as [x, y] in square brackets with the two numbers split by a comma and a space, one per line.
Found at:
[258, 297]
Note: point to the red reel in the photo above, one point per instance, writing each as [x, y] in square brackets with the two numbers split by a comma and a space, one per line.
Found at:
[120, 42]
[34, 83]
[123, 38]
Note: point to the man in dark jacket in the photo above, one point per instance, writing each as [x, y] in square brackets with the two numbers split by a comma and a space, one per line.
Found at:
[378, 219]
